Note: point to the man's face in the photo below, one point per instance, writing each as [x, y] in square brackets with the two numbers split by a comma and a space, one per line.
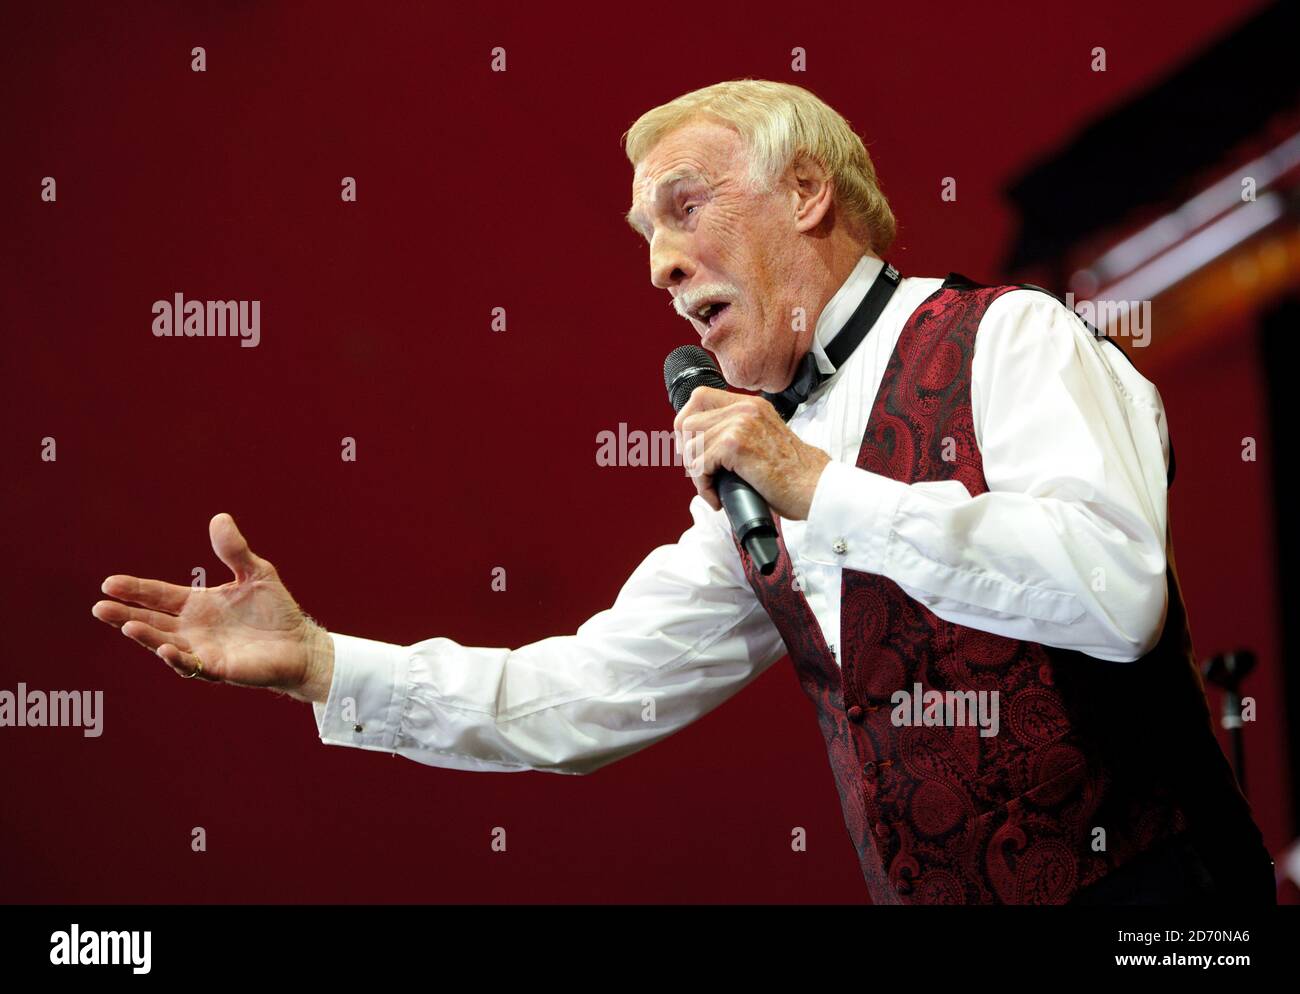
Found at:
[711, 240]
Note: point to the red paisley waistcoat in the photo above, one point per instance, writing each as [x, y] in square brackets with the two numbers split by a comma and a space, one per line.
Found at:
[940, 814]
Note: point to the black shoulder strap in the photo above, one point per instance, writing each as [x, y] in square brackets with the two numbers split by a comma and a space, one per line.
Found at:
[957, 281]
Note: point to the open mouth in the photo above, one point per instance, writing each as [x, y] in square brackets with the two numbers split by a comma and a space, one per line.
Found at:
[711, 313]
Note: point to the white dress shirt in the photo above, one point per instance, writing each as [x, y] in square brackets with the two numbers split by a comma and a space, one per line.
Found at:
[1067, 548]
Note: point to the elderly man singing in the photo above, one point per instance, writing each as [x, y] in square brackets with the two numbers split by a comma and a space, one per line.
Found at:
[969, 491]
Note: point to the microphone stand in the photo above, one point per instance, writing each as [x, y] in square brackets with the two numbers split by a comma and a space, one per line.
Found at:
[1226, 671]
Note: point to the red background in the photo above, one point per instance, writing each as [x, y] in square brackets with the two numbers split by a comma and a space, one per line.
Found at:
[475, 449]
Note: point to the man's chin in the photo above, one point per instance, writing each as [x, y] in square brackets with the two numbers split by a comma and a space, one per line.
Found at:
[730, 373]
[722, 352]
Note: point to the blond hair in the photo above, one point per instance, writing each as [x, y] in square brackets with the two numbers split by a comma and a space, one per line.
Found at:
[777, 121]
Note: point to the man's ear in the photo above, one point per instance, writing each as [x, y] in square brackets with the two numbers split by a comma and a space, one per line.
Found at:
[813, 190]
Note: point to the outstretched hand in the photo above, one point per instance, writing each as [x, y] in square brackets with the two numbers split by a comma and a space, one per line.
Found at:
[249, 632]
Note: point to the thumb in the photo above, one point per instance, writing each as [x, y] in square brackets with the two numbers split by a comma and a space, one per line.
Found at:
[232, 548]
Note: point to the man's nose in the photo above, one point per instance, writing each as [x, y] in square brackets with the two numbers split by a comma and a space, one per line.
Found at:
[670, 264]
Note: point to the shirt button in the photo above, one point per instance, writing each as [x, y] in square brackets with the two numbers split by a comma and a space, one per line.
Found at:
[358, 728]
[839, 547]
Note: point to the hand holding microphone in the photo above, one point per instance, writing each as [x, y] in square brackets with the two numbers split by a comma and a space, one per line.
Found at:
[740, 453]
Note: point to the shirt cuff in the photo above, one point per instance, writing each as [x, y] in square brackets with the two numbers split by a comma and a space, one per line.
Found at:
[851, 518]
[366, 696]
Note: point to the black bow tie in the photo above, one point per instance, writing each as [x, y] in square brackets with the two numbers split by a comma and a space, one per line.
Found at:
[808, 377]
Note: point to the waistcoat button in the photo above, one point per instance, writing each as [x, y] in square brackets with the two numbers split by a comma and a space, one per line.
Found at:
[869, 769]
[855, 713]
[882, 830]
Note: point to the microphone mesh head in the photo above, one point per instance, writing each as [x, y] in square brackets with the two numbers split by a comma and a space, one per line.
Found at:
[685, 369]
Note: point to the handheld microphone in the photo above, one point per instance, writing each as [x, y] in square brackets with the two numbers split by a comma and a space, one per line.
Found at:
[685, 369]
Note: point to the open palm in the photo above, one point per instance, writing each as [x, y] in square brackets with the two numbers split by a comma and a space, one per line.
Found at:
[249, 632]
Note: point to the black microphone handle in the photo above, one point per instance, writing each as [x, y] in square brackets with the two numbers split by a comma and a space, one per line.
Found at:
[751, 521]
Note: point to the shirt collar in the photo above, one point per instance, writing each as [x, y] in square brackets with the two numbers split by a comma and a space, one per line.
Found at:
[841, 306]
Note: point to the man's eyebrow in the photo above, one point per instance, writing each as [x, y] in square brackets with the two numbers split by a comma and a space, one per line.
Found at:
[634, 218]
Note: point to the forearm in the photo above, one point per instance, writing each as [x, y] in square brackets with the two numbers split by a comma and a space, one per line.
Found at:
[568, 704]
[1045, 569]
[684, 634]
